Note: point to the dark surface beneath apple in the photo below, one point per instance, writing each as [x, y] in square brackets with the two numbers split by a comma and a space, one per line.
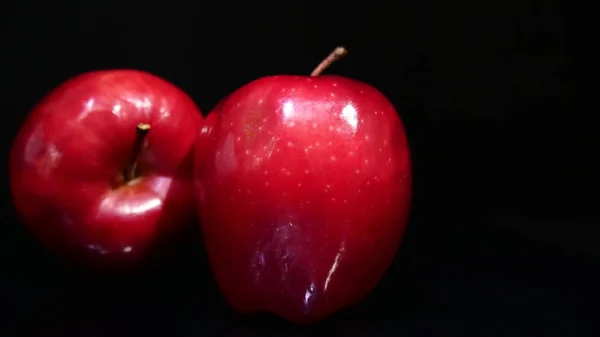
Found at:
[481, 280]
[504, 231]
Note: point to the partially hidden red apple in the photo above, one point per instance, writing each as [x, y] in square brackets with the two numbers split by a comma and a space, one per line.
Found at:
[304, 188]
[101, 170]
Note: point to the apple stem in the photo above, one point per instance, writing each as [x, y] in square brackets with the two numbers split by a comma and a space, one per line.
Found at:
[335, 55]
[141, 132]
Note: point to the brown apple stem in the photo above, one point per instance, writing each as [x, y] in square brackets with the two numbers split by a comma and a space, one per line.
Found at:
[335, 55]
[141, 132]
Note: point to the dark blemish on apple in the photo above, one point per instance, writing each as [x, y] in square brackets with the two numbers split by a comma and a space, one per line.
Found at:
[251, 125]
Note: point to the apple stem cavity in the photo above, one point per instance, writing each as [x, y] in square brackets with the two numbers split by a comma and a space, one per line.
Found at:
[335, 55]
[141, 133]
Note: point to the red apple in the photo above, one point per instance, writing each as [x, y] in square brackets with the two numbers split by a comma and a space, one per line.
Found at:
[304, 188]
[102, 168]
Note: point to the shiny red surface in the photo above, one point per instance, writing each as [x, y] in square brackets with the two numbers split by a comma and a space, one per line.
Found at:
[68, 157]
[305, 187]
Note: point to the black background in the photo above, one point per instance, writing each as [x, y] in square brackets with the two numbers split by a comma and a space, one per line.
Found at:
[504, 234]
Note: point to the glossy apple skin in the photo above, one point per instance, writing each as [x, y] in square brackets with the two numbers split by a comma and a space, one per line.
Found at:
[304, 188]
[68, 157]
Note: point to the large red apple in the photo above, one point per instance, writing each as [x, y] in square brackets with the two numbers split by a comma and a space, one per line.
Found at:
[304, 188]
[102, 168]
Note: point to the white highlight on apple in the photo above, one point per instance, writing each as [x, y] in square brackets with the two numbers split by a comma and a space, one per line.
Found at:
[336, 263]
[288, 109]
[349, 115]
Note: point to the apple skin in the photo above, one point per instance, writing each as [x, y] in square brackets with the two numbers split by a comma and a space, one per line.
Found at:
[304, 187]
[68, 159]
